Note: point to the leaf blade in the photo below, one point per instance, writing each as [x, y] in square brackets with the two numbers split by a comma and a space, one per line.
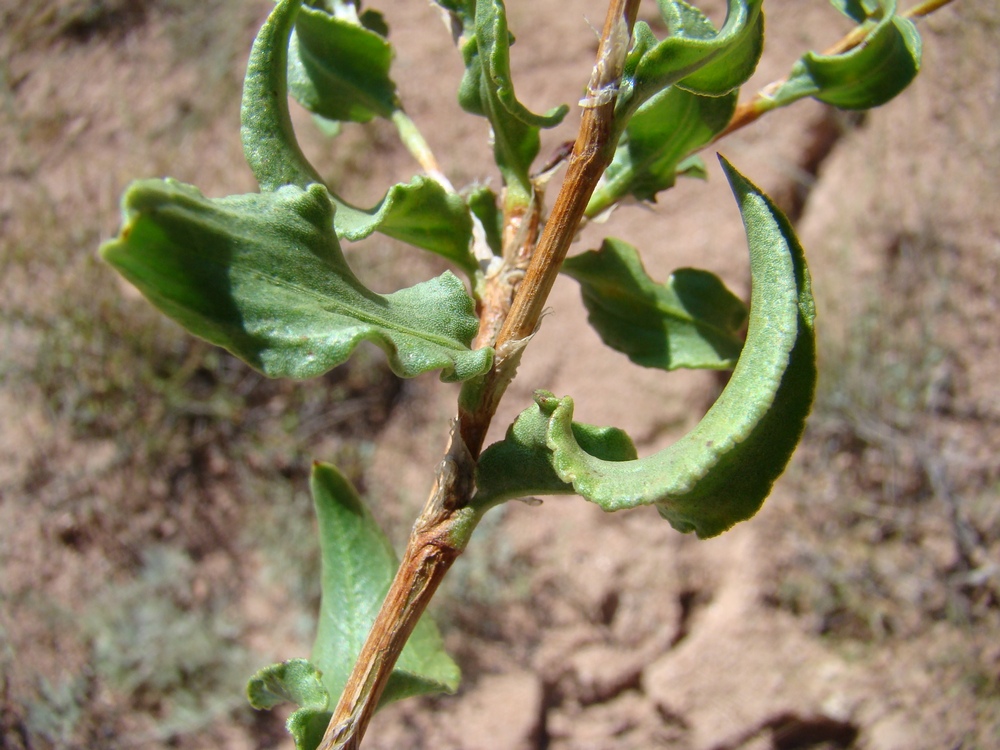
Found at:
[263, 276]
[339, 69]
[421, 213]
[867, 76]
[358, 566]
[690, 321]
[266, 131]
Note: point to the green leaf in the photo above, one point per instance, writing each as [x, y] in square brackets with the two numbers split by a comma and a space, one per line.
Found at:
[869, 75]
[857, 10]
[358, 566]
[520, 465]
[690, 321]
[663, 131]
[694, 56]
[269, 142]
[487, 89]
[735, 62]
[293, 681]
[307, 727]
[721, 472]
[421, 213]
[339, 69]
[263, 275]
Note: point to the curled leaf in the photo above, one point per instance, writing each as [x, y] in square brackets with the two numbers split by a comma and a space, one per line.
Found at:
[524, 447]
[294, 681]
[721, 472]
[421, 213]
[487, 89]
[269, 142]
[659, 136]
[695, 56]
[869, 75]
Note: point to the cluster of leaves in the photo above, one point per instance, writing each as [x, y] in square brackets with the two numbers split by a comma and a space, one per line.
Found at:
[264, 276]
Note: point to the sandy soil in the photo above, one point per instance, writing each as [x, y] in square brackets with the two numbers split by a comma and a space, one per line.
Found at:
[154, 533]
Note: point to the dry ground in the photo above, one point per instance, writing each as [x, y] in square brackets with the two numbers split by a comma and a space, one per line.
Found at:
[155, 535]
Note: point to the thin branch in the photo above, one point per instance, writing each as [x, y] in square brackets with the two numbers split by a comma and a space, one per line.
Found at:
[591, 155]
[446, 523]
[418, 147]
[750, 111]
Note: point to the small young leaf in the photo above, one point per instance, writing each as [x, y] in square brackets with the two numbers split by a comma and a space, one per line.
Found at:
[293, 681]
[487, 90]
[658, 137]
[869, 75]
[358, 566]
[520, 465]
[690, 321]
[264, 276]
[339, 69]
[269, 142]
[721, 472]
[693, 56]
[421, 213]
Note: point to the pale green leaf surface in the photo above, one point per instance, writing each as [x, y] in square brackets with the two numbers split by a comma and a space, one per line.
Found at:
[723, 60]
[520, 465]
[659, 136]
[689, 321]
[339, 69]
[293, 681]
[869, 75]
[421, 213]
[269, 142]
[358, 566]
[263, 275]
[721, 472]
[307, 727]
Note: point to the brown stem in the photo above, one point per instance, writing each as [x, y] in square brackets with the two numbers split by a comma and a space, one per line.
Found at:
[437, 540]
[591, 155]
[444, 526]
